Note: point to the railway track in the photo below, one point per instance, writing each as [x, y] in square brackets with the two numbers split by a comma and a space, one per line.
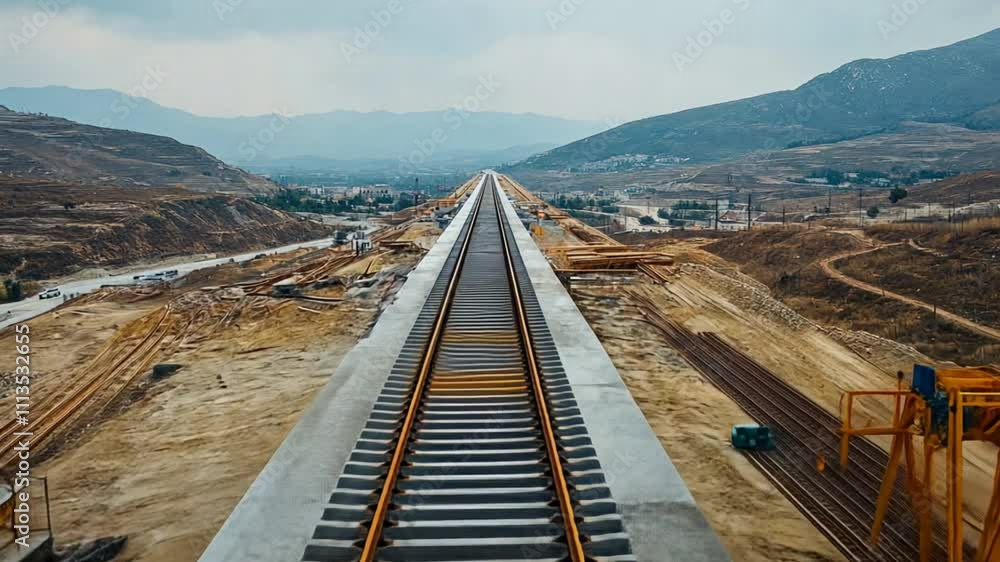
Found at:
[475, 449]
[54, 412]
[841, 504]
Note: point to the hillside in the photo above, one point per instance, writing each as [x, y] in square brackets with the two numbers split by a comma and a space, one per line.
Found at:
[789, 262]
[343, 136]
[49, 229]
[957, 84]
[962, 190]
[58, 149]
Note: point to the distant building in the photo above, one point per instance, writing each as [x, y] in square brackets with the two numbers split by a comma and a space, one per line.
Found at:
[733, 220]
[736, 219]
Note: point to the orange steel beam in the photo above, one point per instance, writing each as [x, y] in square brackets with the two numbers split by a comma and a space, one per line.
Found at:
[966, 388]
[395, 465]
[925, 505]
[956, 431]
[573, 540]
[899, 447]
[847, 411]
[989, 549]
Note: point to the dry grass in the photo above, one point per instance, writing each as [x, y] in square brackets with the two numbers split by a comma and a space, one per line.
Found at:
[977, 225]
[787, 261]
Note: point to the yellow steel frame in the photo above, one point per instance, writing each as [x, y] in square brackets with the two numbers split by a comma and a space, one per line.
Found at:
[975, 387]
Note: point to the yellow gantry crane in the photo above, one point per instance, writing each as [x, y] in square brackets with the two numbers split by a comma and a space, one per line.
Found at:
[946, 407]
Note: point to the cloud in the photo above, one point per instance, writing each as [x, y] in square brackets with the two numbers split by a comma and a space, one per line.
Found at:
[604, 60]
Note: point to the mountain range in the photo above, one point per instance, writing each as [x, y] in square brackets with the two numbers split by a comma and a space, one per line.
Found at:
[957, 84]
[407, 141]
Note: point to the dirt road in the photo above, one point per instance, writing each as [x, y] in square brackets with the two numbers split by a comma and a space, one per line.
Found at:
[829, 269]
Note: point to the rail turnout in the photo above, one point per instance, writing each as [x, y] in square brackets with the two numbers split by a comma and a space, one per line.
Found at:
[475, 449]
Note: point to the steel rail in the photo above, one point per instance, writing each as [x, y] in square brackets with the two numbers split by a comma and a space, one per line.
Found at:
[383, 505]
[476, 448]
[573, 539]
[71, 404]
[832, 502]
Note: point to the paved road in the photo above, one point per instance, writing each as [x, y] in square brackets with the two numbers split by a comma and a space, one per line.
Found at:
[32, 307]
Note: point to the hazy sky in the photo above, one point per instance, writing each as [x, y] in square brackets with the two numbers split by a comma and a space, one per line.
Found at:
[606, 60]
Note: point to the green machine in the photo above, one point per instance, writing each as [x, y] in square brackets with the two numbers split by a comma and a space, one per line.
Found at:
[752, 437]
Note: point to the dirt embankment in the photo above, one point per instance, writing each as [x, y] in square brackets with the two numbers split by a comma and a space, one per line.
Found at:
[692, 420]
[53, 229]
[789, 262]
[163, 460]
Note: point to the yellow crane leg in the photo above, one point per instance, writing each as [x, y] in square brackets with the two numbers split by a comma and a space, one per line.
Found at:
[989, 544]
[845, 435]
[888, 484]
[925, 507]
[901, 442]
[912, 482]
[956, 431]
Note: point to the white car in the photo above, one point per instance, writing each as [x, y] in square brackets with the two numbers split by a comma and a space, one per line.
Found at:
[50, 293]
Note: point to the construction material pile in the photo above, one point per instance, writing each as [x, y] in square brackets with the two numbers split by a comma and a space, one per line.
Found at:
[582, 231]
[609, 257]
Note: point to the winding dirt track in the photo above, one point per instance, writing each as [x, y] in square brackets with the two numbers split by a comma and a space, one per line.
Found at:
[827, 265]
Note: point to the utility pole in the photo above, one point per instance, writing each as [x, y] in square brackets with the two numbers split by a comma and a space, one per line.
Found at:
[749, 215]
[829, 201]
[861, 206]
[782, 216]
[716, 212]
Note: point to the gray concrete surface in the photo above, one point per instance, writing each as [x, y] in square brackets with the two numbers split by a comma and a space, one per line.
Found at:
[660, 514]
[276, 517]
[279, 512]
